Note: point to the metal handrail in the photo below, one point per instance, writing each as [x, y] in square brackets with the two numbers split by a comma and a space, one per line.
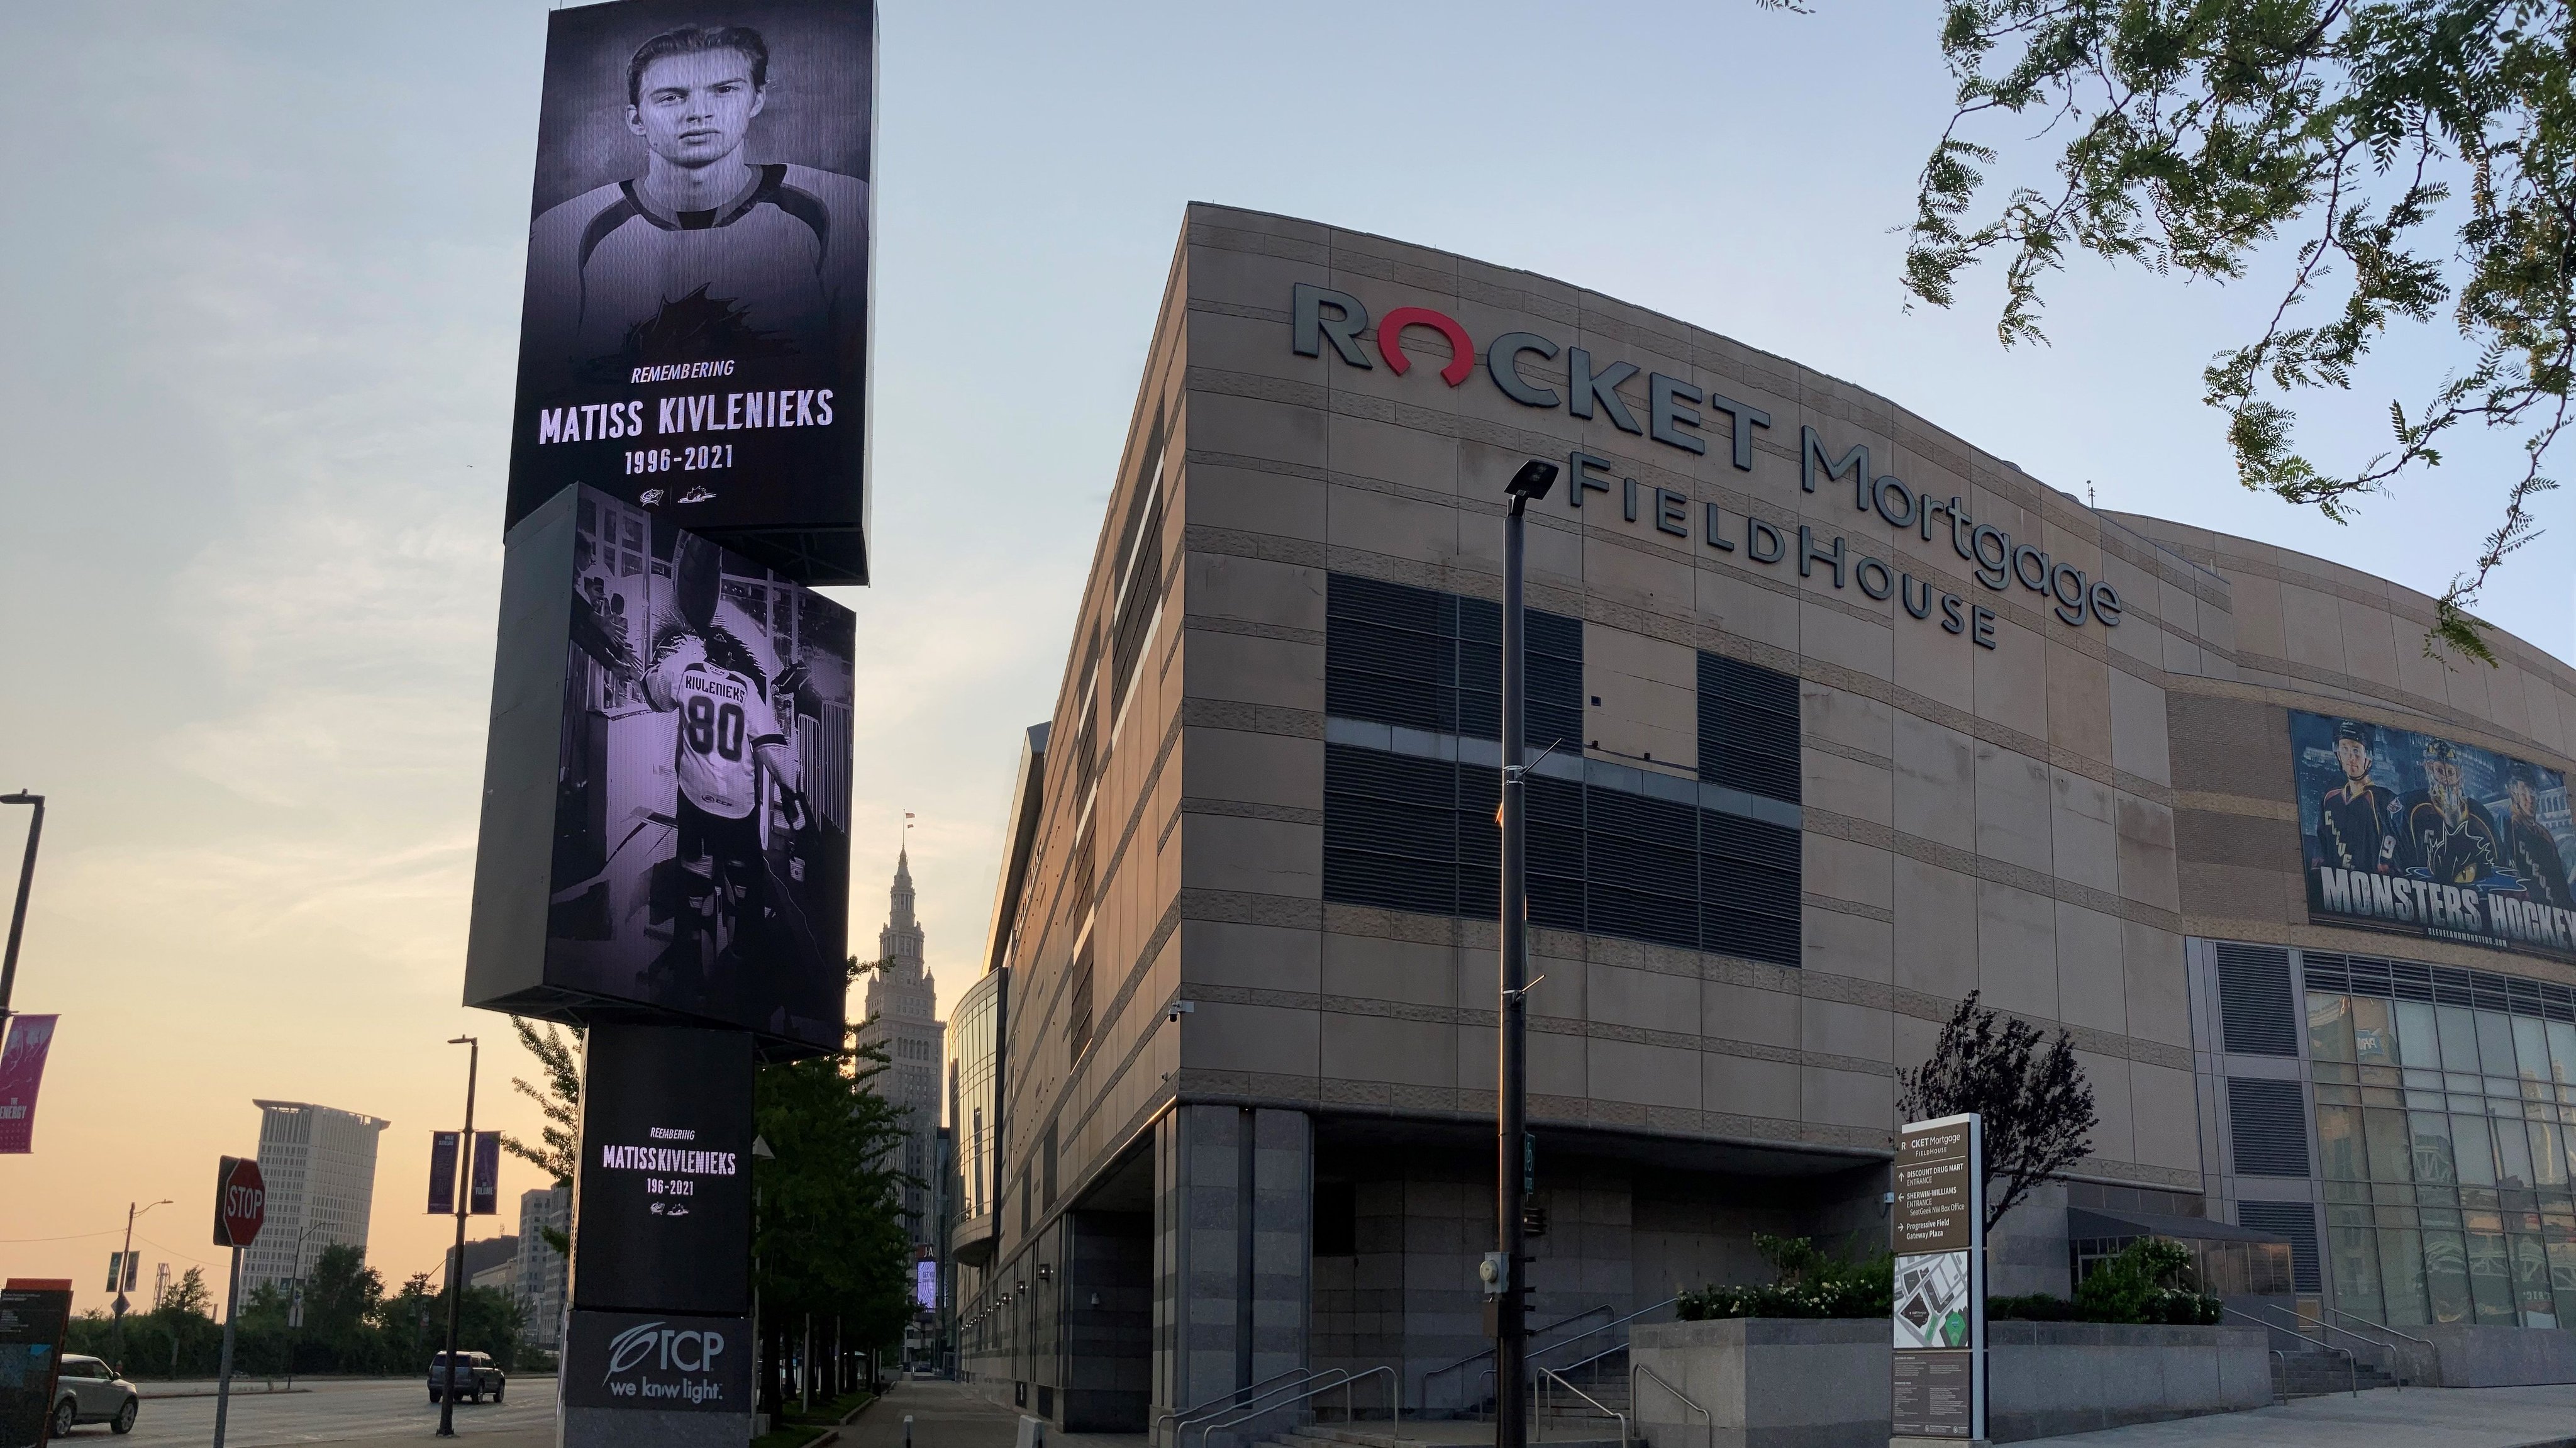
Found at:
[2351, 1363]
[2356, 1337]
[1549, 1375]
[2380, 1326]
[1317, 1380]
[1230, 1396]
[2278, 1396]
[1605, 1327]
[1482, 1353]
[1635, 1368]
[1394, 1398]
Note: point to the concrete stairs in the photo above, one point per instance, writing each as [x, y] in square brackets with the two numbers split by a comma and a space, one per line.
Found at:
[2315, 1374]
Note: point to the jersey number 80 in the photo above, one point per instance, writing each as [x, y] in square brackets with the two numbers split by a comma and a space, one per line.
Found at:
[714, 729]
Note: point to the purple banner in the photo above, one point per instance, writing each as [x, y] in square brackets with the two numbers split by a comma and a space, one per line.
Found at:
[485, 1195]
[442, 1173]
[22, 1070]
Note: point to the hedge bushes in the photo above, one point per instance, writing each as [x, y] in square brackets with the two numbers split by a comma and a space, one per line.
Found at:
[2149, 1282]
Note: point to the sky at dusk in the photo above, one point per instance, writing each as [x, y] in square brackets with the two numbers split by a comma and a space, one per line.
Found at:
[263, 272]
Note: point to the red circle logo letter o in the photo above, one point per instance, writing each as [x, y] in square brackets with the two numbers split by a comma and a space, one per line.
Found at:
[1390, 342]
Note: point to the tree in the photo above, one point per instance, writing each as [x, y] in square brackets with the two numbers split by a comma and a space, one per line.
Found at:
[558, 1148]
[2196, 132]
[829, 1237]
[2037, 1107]
[188, 1296]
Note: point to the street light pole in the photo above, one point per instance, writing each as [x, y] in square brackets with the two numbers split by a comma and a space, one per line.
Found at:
[124, 1269]
[1511, 1136]
[456, 1264]
[26, 880]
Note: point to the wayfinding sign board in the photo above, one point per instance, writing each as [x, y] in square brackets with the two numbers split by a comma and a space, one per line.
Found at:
[1938, 1228]
[32, 1323]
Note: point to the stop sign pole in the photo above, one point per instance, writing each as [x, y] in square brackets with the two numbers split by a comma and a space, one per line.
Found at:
[241, 1209]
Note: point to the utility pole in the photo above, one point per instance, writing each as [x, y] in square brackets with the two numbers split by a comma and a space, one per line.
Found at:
[456, 1264]
[1511, 1135]
[125, 1269]
[26, 881]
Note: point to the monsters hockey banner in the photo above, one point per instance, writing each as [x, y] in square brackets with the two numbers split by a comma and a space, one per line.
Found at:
[2421, 835]
[666, 795]
[694, 337]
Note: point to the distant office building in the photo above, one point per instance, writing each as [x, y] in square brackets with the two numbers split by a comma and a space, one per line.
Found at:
[320, 1163]
[501, 1276]
[483, 1259]
[902, 1016]
[543, 1270]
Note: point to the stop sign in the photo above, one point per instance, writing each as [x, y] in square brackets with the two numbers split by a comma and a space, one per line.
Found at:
[241, 1202]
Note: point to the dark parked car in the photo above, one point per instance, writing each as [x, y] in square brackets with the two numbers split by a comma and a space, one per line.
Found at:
[475, 1377]
[91, 1392]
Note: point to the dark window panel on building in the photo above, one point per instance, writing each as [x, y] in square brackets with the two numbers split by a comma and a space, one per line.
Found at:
[2269, 1126]
[2255, 1012]
[1748, 728]
[2296, 1221]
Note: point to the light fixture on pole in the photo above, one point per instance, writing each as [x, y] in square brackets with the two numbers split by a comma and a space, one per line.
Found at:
[26, 879]
[456, 1264]
[1503, 1269]
[122, 1277]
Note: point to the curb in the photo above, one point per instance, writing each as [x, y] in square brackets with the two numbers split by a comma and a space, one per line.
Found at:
[832, 1435]
[239, 1391]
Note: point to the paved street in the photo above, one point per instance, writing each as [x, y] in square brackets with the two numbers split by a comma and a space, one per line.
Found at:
[338, 1412]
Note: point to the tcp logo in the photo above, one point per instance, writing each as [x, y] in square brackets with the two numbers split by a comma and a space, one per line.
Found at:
[651, 1343]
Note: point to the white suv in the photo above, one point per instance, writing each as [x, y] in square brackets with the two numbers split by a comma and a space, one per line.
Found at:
[89, 1391]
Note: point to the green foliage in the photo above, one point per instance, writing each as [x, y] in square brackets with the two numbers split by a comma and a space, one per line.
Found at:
[829, 1236]
[1809, 1283]
[350, 1326]
[2037, 1107]
[2150, 1281]
[557, 1150]
[2191, 133]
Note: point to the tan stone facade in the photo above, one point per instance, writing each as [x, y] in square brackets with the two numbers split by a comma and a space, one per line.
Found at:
[2048, 820]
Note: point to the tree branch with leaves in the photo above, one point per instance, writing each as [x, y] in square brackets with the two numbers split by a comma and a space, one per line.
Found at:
[2037, 1108]
[2193, 134]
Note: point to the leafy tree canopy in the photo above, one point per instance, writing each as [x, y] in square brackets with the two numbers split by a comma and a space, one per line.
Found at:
[2037, 1106]
[2420, 155]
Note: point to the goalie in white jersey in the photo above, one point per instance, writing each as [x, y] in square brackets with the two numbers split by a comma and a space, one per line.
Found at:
[728, 734]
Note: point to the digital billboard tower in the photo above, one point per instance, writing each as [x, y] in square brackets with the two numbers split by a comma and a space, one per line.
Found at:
[664, 850]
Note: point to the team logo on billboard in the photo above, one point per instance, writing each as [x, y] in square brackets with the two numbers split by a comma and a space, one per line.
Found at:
[694, 337]
[2423, 835]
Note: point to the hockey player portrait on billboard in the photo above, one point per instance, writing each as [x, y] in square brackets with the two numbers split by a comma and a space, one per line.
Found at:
[694, 332]
[701, 825]
[2423, 835]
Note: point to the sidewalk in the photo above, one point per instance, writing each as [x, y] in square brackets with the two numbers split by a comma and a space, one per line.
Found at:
[2385, 1418]
[944, 1415]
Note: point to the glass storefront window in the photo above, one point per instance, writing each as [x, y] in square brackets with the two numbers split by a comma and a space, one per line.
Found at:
[2329, 1028]
[2446, 1276]
[2477, 1118]
[2374, 1038]
[2390, 1154]
[2495, 1045]
[2433, 1160]
[2531, 1048]
[2417, 1042]
[2473, 1150]
[2490, 1270]
[2459, 1040]
[2401, 1270]
[2356, 1271]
